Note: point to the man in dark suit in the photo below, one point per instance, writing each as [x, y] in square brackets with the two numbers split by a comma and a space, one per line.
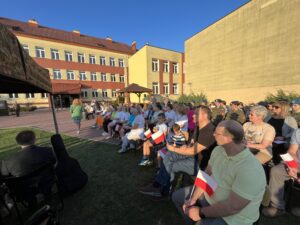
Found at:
[29, 159]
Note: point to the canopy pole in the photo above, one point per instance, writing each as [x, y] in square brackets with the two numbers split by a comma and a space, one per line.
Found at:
[53, 113]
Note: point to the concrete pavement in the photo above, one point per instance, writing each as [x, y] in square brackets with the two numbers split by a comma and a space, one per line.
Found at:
[43, 119]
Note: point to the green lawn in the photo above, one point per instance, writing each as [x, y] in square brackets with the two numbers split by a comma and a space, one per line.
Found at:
[111, 195]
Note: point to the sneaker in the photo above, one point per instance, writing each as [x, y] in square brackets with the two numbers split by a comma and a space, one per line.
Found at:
[150, 190]
[145, 162]
[104, 134]
[78, 132]
[272, 212]
[108, 137]
[94, 126]
[121, 151]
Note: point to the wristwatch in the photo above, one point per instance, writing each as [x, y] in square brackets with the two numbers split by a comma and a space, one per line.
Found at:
[201, 214]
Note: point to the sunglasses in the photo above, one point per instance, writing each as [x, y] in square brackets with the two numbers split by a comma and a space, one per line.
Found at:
[275, 107]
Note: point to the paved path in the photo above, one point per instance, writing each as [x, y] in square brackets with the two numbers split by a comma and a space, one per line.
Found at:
[43, 119]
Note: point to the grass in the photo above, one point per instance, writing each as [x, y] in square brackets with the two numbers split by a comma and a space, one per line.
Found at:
[111, 195]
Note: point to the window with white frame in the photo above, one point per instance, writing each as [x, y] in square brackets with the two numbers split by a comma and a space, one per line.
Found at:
[70, 75]
[80, 57]
[54, 54]
[95, 94]
[56, 74]
[154, 65]
[13, 95]
[113, 93]
[175, 89]
[68, 56]
[113, 78]
[122, 79]
[93, 76]
[155, 88]
[166, 89]
[103, 76]
[175, 68]
[166, 66]
[40, 52]
[112, 61]
[84, 94]
[104, 93]
[82, 76]
[121, 62]
[29, 95]
[26, 48]
[44, 95]
[92, 59]
[102, 60]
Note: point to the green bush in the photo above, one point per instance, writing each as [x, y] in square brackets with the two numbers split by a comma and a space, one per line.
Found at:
[282, 96]
[197, 98]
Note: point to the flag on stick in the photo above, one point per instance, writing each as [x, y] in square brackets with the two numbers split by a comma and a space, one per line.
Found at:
[147, 133]
[289, 160]
[206, 183]
[158, 137]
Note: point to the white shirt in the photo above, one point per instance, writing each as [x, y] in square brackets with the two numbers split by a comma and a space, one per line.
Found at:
[140, 121]
[162, 127]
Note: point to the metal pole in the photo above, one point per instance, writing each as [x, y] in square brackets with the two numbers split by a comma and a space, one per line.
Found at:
[54, 114]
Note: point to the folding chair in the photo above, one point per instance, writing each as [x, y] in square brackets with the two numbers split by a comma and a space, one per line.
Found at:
[44, 216]
[24, 189]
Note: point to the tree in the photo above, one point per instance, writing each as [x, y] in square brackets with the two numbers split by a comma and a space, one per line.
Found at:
[282, 96]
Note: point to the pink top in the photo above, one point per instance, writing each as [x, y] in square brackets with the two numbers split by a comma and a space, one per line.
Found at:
[191, 124]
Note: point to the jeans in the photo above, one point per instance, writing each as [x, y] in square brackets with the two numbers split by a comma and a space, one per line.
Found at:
[182, 195]
[172, 164]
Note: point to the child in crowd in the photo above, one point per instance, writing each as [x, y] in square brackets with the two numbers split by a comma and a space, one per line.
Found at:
[160, 126]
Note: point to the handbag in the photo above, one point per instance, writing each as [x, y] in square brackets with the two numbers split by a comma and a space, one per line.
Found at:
[291, 195]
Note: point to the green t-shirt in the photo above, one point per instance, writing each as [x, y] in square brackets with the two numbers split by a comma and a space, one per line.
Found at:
[243, 175]
[76, 111]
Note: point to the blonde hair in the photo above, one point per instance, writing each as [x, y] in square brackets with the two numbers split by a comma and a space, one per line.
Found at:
[284, 106]
[76, 101]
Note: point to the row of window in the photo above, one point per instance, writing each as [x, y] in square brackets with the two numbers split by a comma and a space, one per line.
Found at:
[96, 94]
[166, 88]
[82, 76]
[27, 95]
[40, 53]
[166, 66]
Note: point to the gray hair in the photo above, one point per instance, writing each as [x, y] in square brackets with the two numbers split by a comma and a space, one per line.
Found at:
[233, 129]
[259, 110]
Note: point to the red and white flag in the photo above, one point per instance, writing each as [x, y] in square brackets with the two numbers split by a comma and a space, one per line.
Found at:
[158, 137]
[206, 183]
[289, 160]
[163, 152]
[147, 133]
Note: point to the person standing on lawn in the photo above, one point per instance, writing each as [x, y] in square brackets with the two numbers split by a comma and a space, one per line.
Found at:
[76, 110]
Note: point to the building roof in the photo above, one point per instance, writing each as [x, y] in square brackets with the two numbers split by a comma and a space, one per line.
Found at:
[39, 31]
[135, 88]
[61, 87]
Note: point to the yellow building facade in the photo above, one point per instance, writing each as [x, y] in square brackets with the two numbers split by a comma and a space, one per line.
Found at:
[249, 53]
[79, 65]
[158, 69]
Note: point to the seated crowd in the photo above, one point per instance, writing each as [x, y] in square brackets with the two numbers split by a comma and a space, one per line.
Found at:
[238, 146]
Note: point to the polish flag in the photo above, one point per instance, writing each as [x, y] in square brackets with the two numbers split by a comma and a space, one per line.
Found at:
[289, 160]
[181, 123]
[147, 133]
[158, 137]
[163, 152]
[206, 183]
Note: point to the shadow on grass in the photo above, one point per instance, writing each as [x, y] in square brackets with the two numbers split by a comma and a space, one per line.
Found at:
[111, 195]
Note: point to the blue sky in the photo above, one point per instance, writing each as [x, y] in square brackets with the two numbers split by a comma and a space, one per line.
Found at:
[162, 23]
